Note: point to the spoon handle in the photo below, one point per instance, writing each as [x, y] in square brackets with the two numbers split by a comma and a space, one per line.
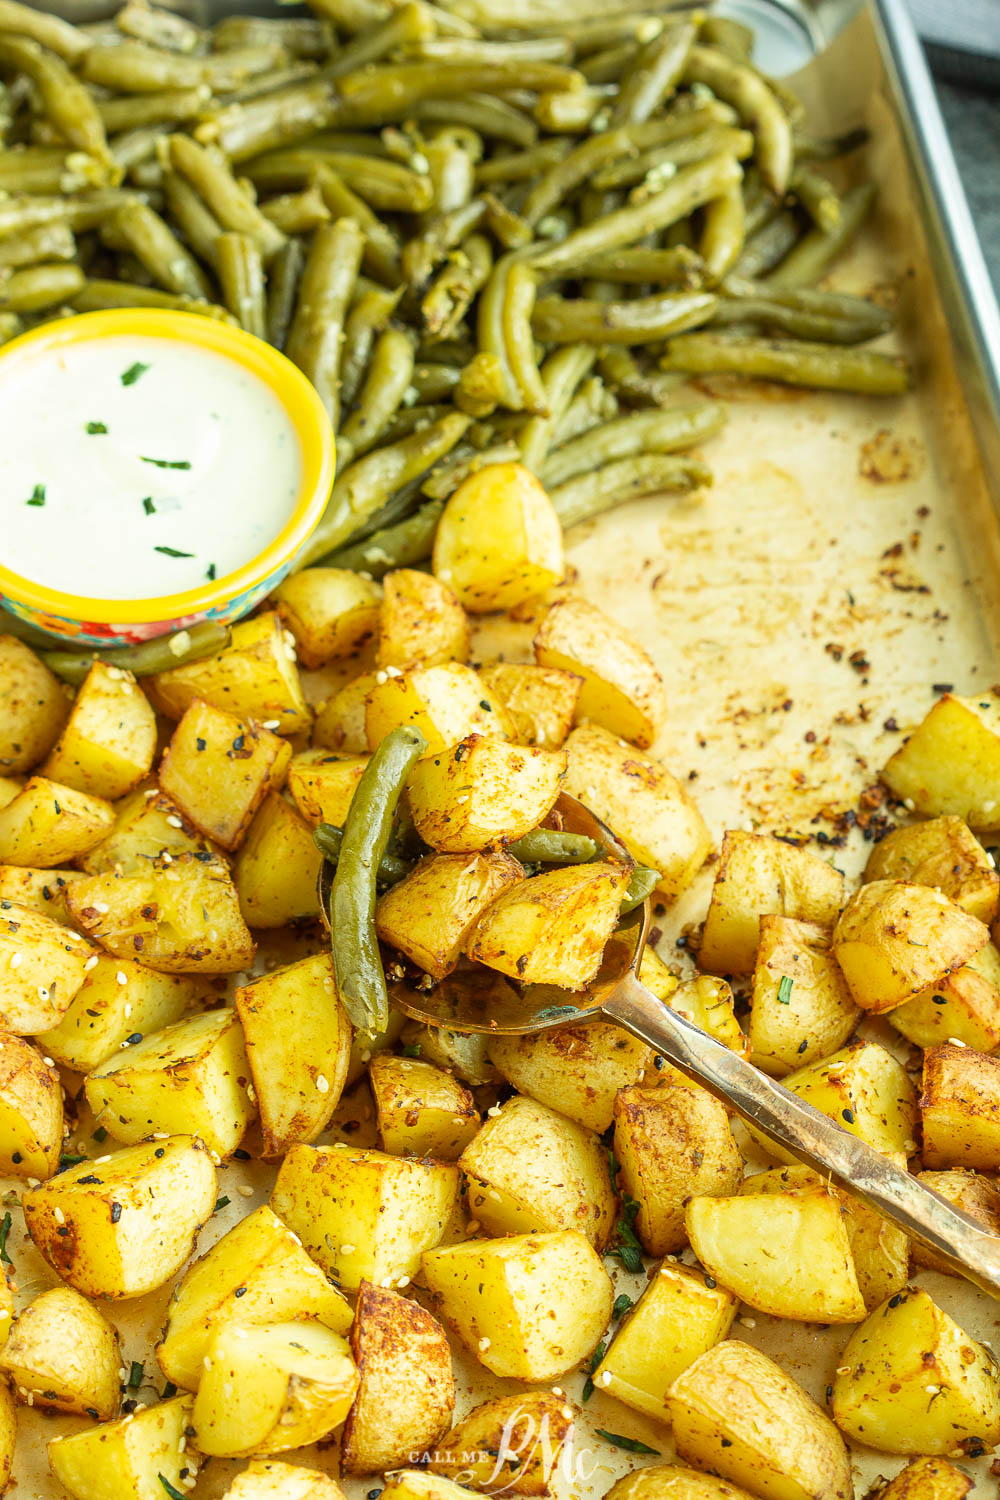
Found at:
[809, 1136]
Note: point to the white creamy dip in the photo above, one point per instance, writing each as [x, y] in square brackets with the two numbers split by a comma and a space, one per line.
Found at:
[119, 454]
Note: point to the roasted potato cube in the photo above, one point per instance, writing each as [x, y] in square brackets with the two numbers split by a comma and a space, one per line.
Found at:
[31, 1110]
[178, 920]
[270, 1388]
[706, 1001]
[736, 1413]
[904, 1352]
[298, 1043]
[218, 769]
[461, 1053]
[960, 1108]
[575, 1069]
[148, 826]
[801, 1008]
[447, 703]
[191, 1076]
[254, 677]
[622, 690]
[64, 1352]
[421, 1110]
[430, 913]
[757, 876]
[108, 742]
[866, 1091]
[678, 1317]
[672, 1143]
[975, 1195]
[529, 1306]
[964, 1007]
[277, 869]
[942, 853]
[362, 1215]
[322, 784]
[927, 1479]
[483, 790]
[552, 929]
[530, 1170]
[527, 1432]
[33, 709]
[787, 1254]
[41, 890]
[48, 824]
[668, 1482]
[420, 620]
[420, 1484]
[42, 966]
[406, 1389]
[641, 802]
[125, 1223]
[331, 612]
[257, 1273]
[893, 940]
[118, 999]
[340, 723]
[499, 541]
[129, 1459]
[268, 1479]
[951, 761]
[541, 701]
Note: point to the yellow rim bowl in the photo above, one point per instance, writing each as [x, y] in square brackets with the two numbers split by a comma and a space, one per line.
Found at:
[303, 407]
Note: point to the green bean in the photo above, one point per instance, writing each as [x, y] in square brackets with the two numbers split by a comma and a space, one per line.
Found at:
[722, 233]
[57, 35]
[805, 364]
[98, 294]
[480, 112]
[297, 213]
[425, 252]
[385, 384]
[381, 252]
[158, 655]
[10, 326]
[635, 267]
[809, 147]
[329, 840]
[169, 107]
[135, 148]
[833, 321]
[561, 374]
[453, 292]
[351, 15]
[196, 222]
[495, 377]
[818, 197]
[445, 479]
[155, 246]
[357, 964]
[506, 226]
[160, 28]
[363, 487]
[48, 242]
[67, 104]
[592, 405]
[50, 169]
[410, 23]
[382, 183]
[241, 277]
[84, 211]
[638, 386]
[654, 74]
[222, 194]
[858, 311]
[227, 72]
[756, 105]
[134, 68]
[546, 846]
[518, 306]
[433, 382]
[451, 169]
[642, 883]
[592, 33]
[403, 545]
[608, 65]
[640, 320]
[639, 432]
[816, 251]
[367, 318]
[378, 95]
[324, 296]
[588, 495]
[770, 245]
[301, 36]
[571, 112]
[245, 130]
[37, 287]
[521, 166]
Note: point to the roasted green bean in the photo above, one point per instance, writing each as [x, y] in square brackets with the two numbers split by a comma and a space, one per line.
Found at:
[806, 364]
[324, 296]
[639, 320]
[368, 317]
[329, 840]
[283, 279]
[36, 287]
[196, 222]
[403, 545]
[245, 130]
[48, 242]
[639, 432]
[654, 75]
[222, 194]
[637, 386]
[453, 291]
[757, 106]
[378, 95]
[722, 233]
[382, 183]
[547, 846]
[159, 655]
[98, 294]
[155, 246]
[816, 251]
[642, 883]
[68, 105]
[385, 385]
[298, 213]
[818, 197]
[588, 495]
[49, 31]
[241, 277]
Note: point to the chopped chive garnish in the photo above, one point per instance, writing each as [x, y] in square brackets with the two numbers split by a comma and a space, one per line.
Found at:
[101, 1133]
[172, 552]
[622, 1304]
[598, 1355]
[221, 1203]
[4, 1232]
[174, 1494]
[785, 990]
[166, 463]
[37, 495]
[69, 1161]
[148, 506]
[627, 1247]
[131, 375]
[135, 1375]
[210, 572]
[411, 1049]
[169, 1390]
[630, 1445]
[95, 428]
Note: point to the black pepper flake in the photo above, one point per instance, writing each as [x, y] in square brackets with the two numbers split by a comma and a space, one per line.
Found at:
[848, 1115]
[895, 1301]
[241, 1155]
[710, 1282]
[942, 687]
[803, 1044]
[240, 1291]
[17, 1158]
[88, 1180]
[116, 1212]
[200, 744]
[829, 1393]
[159, 1152]
[939, 1000]
[130, 1041]
[486, 705]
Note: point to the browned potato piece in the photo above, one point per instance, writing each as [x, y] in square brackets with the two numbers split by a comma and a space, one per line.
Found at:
[40, 890]
[406, 1393]
[622, 690]
[277, 869]
[430, 913]
[960, 1108]
[801, 1008]
[975, 1195]
[254, 677]
[42, 966]
[706, 1001]
[962, 1007]
[499, 541]
[951, 761]
[893, 940]
[422, 1111]
[943, 853]
[552, 928]
[758, 875]
[482, 790]
[322, 783]
[132, 1452]
[541, 701]
[509, 1426]
[31, 1110]
[331, 612]
[48, 824]
[117, 999]
[530, 1169]
[270, 1479]
[672, 1143]
[578, 1070]
[340, 723]
[218, 769]
[668, 1482]
[447, 703]
[420, 620]
[108, 743]
[147, 827]
[63, 1355]
[866, 1091]
[33, 709]
[927, 1479]
[421, 1484]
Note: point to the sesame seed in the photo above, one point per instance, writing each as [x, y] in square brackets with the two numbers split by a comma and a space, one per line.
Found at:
[16, 960]
[245, 1191]
[472, 1226]
[161, 1135]
[403, 1281]
[207, 1362]
[173, 821]
[49, 1062]
[749, 1322]
[43, 993]
[272, 723]
[606, 1377]
[380, 678]
[322, 1085]
[58, 1215]
[128, 1009]
[484, 1344]
[102, 907]
[347, 1249]
[91, 962]
[393, 672]
[121, 977]
[100, 1160]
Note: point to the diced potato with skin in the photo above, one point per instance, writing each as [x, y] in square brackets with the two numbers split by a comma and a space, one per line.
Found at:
[148, 827]
[322, 784]
[341, 722]
[975, 1195]
[529, 1306]
[786, 1254]
[458, 1052]
[40, 890]
[668, 1482]
[269, 1479]
[42, 966]
[128, 1459]
[678, 1317]
[406, 1390]
[757, 876]
[499, 541]
[254, 677]
[801, 1008]
[447, 703]
[421, 1110]
[641, 802]
[951, 761]
[943, 853]
[960, 1109]
[64, 1352]
[277, 869]
[257, 1273]
[736, 1413]
[893, 940]
[218, 769]
[298, 1041]
[578, 1070]
[420, 620]
[530, 1170]
[927, 1479]
[430, 913]
[671, 1144]
[541, 701]
[622, 690]
[331, 612]
[131, 1222]
[33, 709]
[108, 743]
[179, 920]
[708, 1003]
[10, 786]
[363, 1215]
[421, 1484]
[964, 1006]
[6, 1311]
[552, 929]
[272, 1388]
[903, 1353]
[49, 824]
[118, 999]
[482, 790]
[193, 1075]
[31, 1110]
[511, 1446]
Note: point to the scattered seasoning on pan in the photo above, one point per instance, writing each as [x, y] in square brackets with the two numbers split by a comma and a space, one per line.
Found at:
[4, 1232]
[96, 428]
[135, 1375]
[37, 496]
[630, 1445]
[785, 990]
[174, 1494]
[131, 375]
[116, 1212]
[148, 506]
[172, 552]
[166, 463]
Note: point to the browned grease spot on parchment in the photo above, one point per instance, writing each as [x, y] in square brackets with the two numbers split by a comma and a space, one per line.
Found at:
[888, 458]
